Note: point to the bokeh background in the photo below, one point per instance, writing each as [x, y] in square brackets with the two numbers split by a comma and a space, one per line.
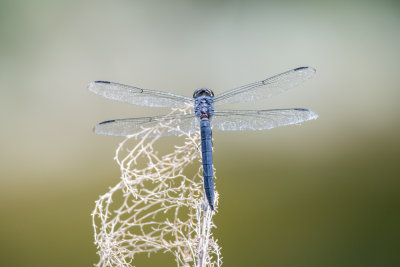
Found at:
[326, 193]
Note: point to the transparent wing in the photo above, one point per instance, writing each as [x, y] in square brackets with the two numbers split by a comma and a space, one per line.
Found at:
[176, 124]
[138, 96]
[244, 120]
[266, 88]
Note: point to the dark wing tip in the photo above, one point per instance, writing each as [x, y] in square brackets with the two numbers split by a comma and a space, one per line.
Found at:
[304, 68]
[300, 68]
[102, 82]
[98, 129]
[104, 122]
[92, 86]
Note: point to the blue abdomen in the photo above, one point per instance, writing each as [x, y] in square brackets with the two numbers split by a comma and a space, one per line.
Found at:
[206, 151]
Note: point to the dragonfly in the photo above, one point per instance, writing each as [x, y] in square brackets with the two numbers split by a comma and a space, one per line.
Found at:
[203, 116]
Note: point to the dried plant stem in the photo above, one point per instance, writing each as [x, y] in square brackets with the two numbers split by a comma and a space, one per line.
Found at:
[156, 206]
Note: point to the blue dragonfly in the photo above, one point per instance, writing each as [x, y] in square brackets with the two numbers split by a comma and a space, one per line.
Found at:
[203, 115]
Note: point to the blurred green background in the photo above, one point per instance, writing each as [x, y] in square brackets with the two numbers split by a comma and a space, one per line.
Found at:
[326, 193]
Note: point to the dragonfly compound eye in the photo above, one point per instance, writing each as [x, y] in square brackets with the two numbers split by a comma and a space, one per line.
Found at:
[203, 92]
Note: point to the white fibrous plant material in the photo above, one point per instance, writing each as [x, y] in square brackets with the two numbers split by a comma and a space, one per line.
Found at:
[158, 205]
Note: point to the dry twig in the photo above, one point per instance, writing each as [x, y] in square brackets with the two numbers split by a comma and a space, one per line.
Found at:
[157, 205]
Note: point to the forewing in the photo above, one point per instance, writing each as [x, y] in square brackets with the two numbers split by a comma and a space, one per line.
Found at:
[266, 88]
[244, 120]
[138, 96]
[169, 125]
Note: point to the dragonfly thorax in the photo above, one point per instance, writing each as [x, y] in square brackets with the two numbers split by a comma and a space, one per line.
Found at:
[203, 103]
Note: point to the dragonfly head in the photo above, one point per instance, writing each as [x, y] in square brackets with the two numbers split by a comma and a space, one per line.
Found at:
[203, 92]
